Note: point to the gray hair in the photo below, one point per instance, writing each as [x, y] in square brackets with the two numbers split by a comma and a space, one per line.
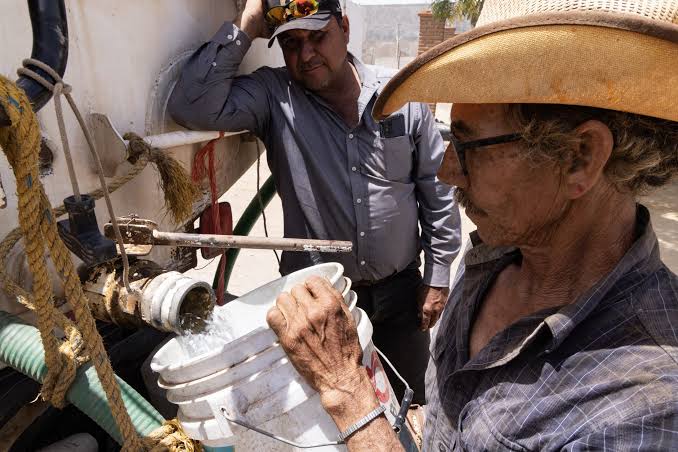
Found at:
[645, 153]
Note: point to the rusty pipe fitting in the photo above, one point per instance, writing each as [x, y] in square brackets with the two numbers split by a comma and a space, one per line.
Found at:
[165, 300]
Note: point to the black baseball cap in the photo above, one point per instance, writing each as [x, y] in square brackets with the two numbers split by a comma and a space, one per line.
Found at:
[315, 21]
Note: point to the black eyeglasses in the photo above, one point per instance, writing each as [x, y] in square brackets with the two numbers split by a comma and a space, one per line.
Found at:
[461, 147]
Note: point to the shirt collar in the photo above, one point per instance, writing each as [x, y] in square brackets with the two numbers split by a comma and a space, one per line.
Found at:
[640, 261]
[368, 78]
[480, 253]
[368, 84]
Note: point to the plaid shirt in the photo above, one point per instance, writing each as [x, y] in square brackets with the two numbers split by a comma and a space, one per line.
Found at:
[597, 374]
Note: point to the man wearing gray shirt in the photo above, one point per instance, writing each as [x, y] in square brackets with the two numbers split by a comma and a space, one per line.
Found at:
[340, 174]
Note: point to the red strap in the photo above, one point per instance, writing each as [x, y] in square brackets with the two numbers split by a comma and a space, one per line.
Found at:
[198, 173]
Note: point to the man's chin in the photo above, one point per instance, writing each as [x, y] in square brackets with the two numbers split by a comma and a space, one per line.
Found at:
[315, 80]
[494, 237]
[314, 84]
[488, 238]
[474, 214]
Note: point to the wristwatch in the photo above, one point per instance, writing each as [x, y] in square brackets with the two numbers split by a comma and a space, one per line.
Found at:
[362, 422]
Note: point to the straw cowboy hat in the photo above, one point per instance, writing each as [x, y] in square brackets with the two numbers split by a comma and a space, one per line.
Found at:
[614, 54]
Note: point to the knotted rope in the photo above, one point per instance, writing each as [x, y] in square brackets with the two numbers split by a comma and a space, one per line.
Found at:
[180, 192]
[60, 88]
[37, 223]
[21, 144]
[171, 437]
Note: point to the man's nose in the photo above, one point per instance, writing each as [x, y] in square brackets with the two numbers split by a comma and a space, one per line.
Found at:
[450, 171]
[307, 51]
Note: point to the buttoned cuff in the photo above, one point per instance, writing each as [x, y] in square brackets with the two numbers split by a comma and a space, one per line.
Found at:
[436, 275]
[229, 35]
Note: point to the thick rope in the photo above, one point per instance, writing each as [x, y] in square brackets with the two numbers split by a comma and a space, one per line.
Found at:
[171, 437]
[21, 144]
[58, 89]
[24, 134]
[175, 182]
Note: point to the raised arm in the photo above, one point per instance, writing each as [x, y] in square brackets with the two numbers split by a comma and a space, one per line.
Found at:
[209, 96]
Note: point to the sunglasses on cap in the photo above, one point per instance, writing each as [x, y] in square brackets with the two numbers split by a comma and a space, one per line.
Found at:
[296, 9]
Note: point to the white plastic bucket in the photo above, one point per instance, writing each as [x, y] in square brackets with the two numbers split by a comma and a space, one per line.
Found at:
[251, 329]
[253, 381]
[277, 400]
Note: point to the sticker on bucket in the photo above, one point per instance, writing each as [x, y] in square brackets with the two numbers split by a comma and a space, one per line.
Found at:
[382, 387]
[378, 377]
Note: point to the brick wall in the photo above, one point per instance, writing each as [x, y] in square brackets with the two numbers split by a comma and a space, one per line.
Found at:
[431, 33]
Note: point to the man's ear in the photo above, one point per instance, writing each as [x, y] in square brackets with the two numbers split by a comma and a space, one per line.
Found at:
[345, 27]
[589, 158]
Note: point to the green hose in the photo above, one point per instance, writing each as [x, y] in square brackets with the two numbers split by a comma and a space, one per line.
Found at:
[21, 348]
[245, 224]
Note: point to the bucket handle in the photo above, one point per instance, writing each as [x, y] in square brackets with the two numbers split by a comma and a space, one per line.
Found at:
[397, 425]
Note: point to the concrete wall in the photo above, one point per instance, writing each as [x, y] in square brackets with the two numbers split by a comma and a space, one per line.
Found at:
[376, 28]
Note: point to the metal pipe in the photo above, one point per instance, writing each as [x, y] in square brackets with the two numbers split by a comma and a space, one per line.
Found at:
[173, 139]
[257, 243]
[169, 301]
[139, 231]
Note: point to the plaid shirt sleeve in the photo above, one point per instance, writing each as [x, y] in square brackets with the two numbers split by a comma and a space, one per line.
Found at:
[650, 432]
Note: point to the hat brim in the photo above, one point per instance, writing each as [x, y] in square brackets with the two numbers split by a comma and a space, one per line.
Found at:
[317, 21]
[614, 61]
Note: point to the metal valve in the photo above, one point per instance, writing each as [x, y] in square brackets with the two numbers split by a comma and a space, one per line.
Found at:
[80, 232]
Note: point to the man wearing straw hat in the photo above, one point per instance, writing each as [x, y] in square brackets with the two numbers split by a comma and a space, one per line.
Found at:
[562, 333]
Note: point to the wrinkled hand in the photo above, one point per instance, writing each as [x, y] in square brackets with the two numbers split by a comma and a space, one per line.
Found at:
[431, 301]
[252, 20]
[318, 333]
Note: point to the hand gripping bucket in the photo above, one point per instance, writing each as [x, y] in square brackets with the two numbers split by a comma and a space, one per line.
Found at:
[244, 394]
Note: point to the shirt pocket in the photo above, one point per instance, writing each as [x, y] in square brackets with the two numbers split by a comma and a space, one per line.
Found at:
[398, 157]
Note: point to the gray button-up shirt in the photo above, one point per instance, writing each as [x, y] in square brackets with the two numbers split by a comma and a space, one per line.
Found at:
[334, 182]
[598, 374]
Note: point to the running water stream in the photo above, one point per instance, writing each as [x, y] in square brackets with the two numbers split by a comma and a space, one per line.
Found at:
[203, 334]
[210, 334]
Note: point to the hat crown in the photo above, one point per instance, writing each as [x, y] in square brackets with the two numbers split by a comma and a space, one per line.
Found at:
[498, 10]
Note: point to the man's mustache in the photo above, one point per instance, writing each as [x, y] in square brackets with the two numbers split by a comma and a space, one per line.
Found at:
[464, 200]
[310, 65]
